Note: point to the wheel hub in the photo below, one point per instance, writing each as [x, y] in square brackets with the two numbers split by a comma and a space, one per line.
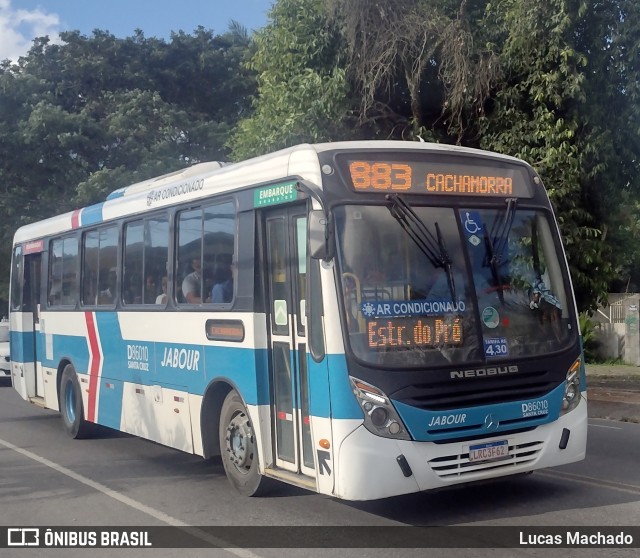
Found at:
[240, 441]
[70, 402]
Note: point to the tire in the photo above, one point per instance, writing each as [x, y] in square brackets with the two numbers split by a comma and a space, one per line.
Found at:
[71, 408]
[238, 448]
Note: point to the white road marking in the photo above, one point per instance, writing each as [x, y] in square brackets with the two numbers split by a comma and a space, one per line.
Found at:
[592, 481]
[156, 514]
[605, 426]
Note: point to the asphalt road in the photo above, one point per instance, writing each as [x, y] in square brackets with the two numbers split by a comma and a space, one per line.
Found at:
[115, 479]
[614, 392]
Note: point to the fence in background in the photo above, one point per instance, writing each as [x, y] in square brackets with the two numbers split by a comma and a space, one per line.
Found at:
[617, 328]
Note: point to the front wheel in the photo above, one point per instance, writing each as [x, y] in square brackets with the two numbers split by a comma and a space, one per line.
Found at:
[238, 447]
[71, 408]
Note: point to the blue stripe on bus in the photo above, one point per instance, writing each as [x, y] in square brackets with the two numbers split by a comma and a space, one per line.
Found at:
[583, 370]
[115, 194]
[69, 347]
[168, 364]
[343, 402]
[181, 366]
[110, 405]
[319, 393]
[22, 348]
[173, 365]
[91, 215]
[64, 347]
[427, 426]
[247, 369]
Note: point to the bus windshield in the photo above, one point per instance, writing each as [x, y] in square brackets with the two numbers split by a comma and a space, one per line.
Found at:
[431, 286]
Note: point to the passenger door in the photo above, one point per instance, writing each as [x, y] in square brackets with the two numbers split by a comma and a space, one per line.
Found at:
[285, 231]
[26, 366]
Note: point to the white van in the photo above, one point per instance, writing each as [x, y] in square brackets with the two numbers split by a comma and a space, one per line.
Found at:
[5, 354]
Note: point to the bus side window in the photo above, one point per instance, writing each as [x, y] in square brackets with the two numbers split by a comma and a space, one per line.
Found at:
[17, 280]
[63, 261]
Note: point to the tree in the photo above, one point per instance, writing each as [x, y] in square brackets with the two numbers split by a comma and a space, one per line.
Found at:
[555, 82]
[303, 92]
[566, 70]
[415, 64]
[92, 114]
[535, 79]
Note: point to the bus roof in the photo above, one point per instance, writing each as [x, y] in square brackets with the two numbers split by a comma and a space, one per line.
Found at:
[204, 179]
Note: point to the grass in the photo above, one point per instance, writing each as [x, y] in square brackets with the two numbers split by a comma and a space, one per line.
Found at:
[608, 362]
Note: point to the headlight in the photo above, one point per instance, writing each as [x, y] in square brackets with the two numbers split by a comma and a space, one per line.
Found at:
[380, 416]
[572, 387]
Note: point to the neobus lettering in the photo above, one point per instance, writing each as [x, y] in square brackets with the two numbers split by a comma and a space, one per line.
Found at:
[481, 372]
[181, 358]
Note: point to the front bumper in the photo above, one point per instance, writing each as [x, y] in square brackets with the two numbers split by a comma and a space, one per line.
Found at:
[368, 465]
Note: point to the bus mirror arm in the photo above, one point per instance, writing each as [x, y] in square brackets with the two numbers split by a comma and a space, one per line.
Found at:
[320, 227]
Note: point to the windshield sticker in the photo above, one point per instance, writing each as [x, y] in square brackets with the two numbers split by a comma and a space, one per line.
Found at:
[490, 317]
[400, 308]
[473, 239]
[496, 347]
[472, 222]
[540, 292]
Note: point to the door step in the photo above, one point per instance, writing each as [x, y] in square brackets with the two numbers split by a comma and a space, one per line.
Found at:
[39, 401]
[292, 478]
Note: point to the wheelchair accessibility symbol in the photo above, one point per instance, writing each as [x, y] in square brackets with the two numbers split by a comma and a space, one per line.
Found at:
[472, 222]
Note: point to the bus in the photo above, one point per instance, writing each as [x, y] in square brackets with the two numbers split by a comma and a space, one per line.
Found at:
[362, 319]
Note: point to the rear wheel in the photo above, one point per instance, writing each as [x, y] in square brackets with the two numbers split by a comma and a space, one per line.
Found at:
[71, 408]
[238, 447]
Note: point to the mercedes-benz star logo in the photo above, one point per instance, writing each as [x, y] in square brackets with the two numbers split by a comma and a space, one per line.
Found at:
[491, 423]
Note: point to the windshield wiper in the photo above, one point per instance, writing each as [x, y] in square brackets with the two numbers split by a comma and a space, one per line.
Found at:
[496, 242]
[433, 247]
[539, 290]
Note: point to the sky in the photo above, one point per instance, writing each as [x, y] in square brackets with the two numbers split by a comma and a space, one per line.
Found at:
[23, 20]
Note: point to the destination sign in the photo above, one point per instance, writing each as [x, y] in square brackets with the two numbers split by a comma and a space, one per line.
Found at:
[423, 332]
[463, 178]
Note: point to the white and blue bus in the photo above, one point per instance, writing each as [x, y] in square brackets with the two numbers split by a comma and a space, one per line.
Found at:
[362, 319]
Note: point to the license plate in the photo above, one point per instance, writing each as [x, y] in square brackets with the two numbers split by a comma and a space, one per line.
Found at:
[490, 451]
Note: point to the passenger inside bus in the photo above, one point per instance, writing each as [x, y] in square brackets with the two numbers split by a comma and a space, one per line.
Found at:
[223, 280]
[192, 283]
[132, 294]
[162, 297]
[150, 291]
[108, 295]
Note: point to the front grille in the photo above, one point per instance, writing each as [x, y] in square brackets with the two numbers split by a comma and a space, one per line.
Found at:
[457, 466]
[463, 432]
[472, 392]
[466, 439]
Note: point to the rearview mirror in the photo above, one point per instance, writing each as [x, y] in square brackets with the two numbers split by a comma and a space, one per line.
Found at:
[320, 235]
